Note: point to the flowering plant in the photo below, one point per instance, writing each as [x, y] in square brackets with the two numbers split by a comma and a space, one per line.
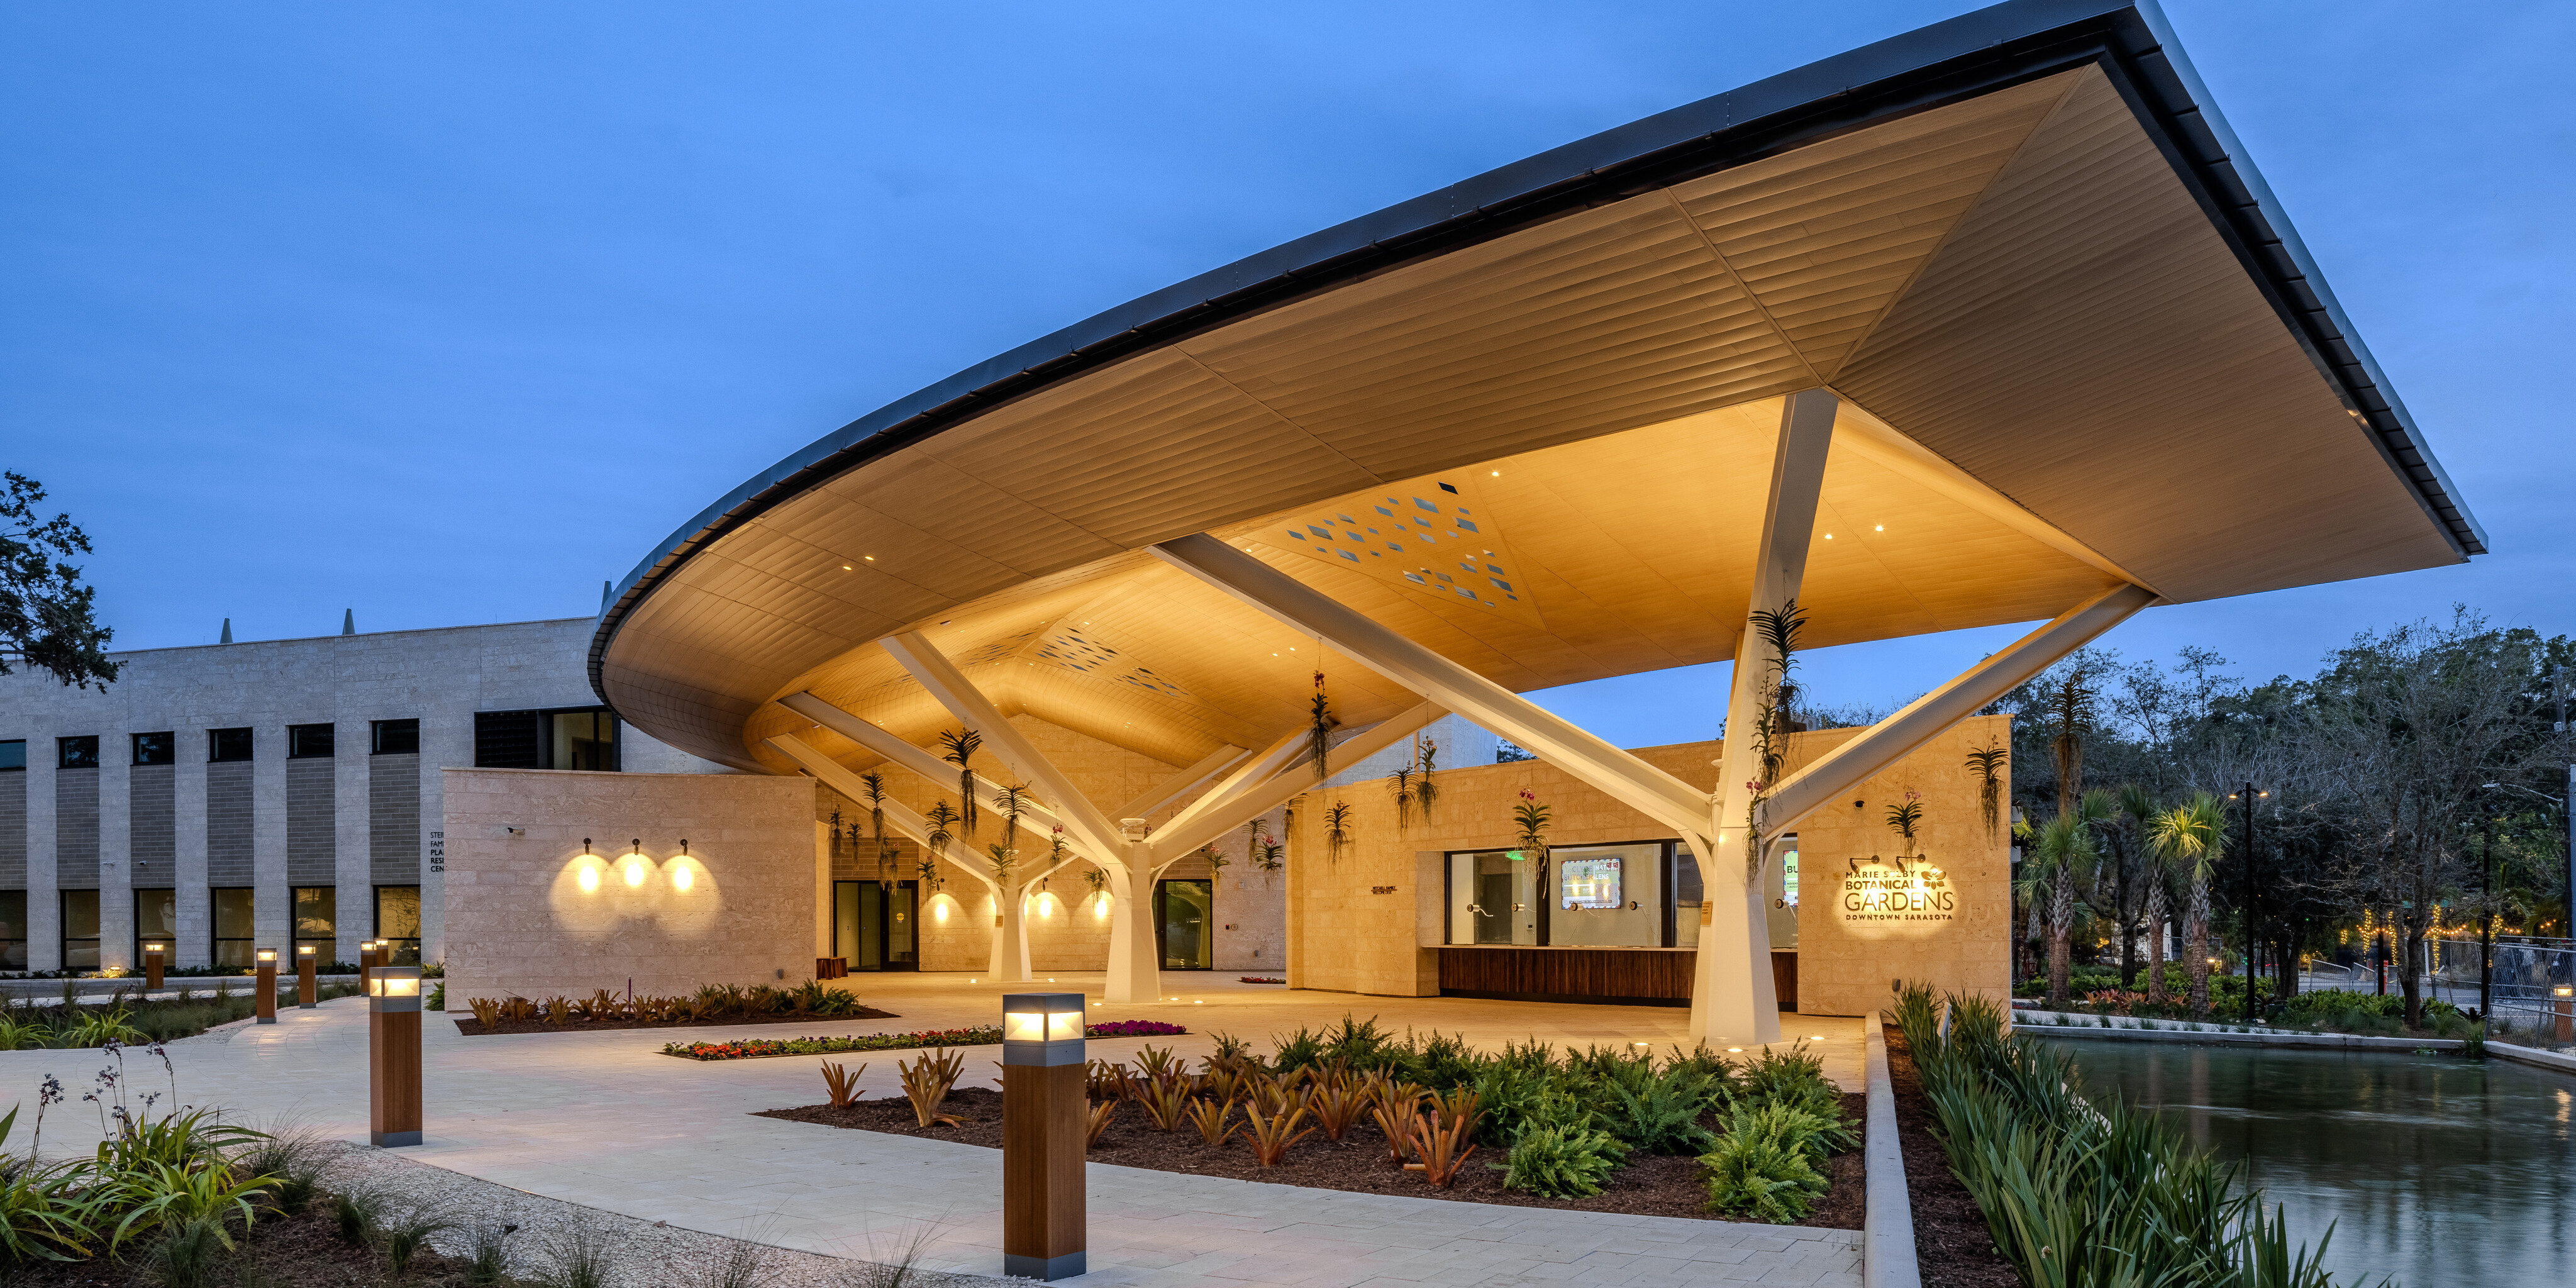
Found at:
[980, 1035]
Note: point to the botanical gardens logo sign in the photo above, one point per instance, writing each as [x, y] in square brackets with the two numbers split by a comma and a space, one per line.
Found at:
[1875, 890]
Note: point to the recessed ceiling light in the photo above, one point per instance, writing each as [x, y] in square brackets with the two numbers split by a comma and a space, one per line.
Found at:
[1829, 536]
[1880, 528]
[1498, 474]
[869, 558]
[847, 568]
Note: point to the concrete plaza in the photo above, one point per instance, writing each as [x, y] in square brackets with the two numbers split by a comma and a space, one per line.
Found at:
[606, 1121]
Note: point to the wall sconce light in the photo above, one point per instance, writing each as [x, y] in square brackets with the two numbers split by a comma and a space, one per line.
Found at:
[684, 847]
[267, 1003]
[635, 864]
[1046, 905]
[585, 845]
[305, 998]
[939, 910]
[589, 879]
[682, 879]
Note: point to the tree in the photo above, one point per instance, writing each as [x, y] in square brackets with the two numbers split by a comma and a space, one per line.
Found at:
[46, 621]
[2061, 853]
[2191, 836]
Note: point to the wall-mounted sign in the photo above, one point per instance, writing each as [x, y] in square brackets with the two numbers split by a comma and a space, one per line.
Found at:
[1881, 891]
[1589, 883]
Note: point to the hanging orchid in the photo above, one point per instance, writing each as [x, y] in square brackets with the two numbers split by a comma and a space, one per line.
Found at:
[1532, 818]
[874, 783]
[1403, 796]
[1987, 763]
[1904, 817]
[1216, 862]
[1337, 830]
[962, 745]
[1426, 792]
[1319, 733]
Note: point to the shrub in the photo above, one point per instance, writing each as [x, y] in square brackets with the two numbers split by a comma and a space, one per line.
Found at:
[927, 1080]
[1758, 1176]
[1562, 1162]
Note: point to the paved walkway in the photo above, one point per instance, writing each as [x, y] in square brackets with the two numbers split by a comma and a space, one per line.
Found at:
[605, 1120]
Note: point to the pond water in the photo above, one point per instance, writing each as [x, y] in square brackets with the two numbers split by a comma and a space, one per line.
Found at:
[2430, 1168]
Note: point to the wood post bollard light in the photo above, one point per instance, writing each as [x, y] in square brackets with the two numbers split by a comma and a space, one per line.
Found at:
[2563, 1002]
[306, 995]
[156, 958]
[267, 1010]
[1044, 1230]
[366, 962]
[393, 1057]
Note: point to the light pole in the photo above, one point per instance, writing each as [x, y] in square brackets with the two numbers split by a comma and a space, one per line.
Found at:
[155, 959]
[2252, 924]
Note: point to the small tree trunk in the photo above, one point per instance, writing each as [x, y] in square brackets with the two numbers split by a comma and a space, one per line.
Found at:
[2196, 925]
[2156, 943]
[2407, 975]
[2061, 929]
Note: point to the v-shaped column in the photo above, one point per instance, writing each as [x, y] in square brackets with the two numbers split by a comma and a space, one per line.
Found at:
[1732, 998]
[1135, 964]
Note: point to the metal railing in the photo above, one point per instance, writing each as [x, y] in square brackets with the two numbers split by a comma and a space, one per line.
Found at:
[2525, 974]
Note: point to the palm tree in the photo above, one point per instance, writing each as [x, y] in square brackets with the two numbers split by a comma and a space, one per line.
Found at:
[2061, 852]
[2192, 836]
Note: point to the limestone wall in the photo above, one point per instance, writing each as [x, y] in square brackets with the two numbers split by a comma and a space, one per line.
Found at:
[519, 920]
[1370, 921]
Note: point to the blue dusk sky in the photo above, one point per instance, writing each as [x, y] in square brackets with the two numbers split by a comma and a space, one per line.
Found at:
[447, 313]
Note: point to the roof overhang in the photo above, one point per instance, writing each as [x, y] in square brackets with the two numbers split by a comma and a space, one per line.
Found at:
[2075, 338]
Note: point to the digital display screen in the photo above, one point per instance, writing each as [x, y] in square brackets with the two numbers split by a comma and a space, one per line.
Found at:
[1589, 883]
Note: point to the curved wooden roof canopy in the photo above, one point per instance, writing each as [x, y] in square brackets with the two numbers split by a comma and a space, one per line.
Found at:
[1527, 421]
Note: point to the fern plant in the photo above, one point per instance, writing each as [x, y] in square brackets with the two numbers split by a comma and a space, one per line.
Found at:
[1758, 1176]
[1561, 1162]
[962, 745]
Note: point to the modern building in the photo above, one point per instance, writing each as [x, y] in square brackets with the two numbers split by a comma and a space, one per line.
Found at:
[1991, 322]
[233, 796]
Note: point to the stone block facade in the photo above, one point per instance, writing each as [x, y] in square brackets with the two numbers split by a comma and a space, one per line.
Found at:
[738, 908]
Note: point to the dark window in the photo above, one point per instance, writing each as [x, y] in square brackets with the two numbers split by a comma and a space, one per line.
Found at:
[77, 753]
[13, 754]
[581, 739]
[156, 748]
[398, 922]
[567, 738]
[228, 744]
[156, 921]
[317, 922]
[397, 737]
[308, 742]
[509, 740]
[13, 930]
[233, 932]
[80, 930]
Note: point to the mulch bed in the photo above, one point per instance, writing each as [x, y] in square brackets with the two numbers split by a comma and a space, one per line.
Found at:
[1648, 1185]
[1950, 1235]
[474, 1028]
[290, 1251]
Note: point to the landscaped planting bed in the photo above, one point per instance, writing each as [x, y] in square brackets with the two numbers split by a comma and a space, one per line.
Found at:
[1619, 1130]
[1951, 1241]
[711, 1005]
[982, 1035]
[25, 1026]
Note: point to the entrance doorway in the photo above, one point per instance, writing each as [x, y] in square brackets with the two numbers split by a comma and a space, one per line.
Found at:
[1185, 923]
[873, 927]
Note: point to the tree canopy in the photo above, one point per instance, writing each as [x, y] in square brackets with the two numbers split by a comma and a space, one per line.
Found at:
[47, 622]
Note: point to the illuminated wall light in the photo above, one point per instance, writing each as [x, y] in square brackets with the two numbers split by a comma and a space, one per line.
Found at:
[589, 879]
[682, 879]
[1100, 906]
[939, 913]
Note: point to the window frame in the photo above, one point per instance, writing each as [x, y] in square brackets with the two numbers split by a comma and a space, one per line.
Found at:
[297, 733]
[215, 745]
[13, 950]
[98, 922]
[401, 728]
[168, 749]
[215, 927]
[21, 745]
[1547, 892]
[327, 947]
[377, 914]
[63, 750]
[170, 954]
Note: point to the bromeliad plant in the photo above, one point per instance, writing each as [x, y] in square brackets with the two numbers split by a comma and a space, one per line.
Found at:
[927, 1080]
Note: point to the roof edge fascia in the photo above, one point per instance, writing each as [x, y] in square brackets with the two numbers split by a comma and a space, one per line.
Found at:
[1928, 67]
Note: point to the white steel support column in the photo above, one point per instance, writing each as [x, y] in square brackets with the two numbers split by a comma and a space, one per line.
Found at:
[1891, 739]
[1552, 738]
[1135, 967]
[1732, 998]
[922, 762]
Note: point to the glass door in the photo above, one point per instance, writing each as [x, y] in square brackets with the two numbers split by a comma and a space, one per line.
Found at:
[1184, 919]
[1493, 899]
[872, 927]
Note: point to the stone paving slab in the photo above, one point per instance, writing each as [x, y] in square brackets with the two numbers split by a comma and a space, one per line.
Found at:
[605, 1120]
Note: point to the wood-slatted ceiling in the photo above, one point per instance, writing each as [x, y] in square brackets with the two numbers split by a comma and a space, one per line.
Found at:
[2019, 282]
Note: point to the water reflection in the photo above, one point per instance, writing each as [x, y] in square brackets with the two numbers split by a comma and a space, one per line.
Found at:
[2432, 1169]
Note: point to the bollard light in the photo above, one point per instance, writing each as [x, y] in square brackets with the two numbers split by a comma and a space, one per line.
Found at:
[393, 1056]
[156, 958]
[366, 962]
[306, 995]
[1044, 1229]
[267, 1007]
[2565, 1008]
